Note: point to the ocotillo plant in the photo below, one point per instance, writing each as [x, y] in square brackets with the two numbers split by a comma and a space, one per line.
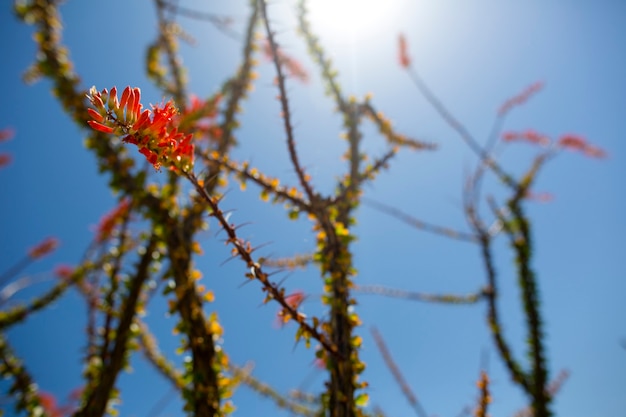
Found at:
[169, 165]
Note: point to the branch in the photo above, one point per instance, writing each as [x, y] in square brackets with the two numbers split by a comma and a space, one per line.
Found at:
[427, 227]
[418, 296]
[256, 271]
[397, 375]
[303, 178]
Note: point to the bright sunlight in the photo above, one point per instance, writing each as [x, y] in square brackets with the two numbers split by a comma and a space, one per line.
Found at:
[353, 20]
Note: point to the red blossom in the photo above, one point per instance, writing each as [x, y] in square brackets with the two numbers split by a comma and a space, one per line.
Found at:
[154, 130]
[595, 152]
[6, 134]
[43, 248]
[293, 300]
[195, 104]
[100, 127]
[5, 159]
[63, 271]
[510, 136]
[52, 408]
[521, 98]
[294, 67]
[95, 115]
[49, 404]
[215, 131]
[403, 54]
[110, 220]
[539, 197]
[578, 143]
[529, 135]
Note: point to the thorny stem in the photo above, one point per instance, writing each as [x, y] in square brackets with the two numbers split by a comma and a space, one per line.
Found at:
[166, 40]
[109, 298]
[282, 192]
[459, 128]
[517, 374]
[100, 390]
[286, 114]
[205, 398]
[256, 270]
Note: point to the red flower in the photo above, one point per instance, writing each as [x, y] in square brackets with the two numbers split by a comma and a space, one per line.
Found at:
[521, 98]
[293, 300]
[403, 55]
[5, 159]
[539, 197]
[52, 408]
[578, 143]
[294, 67]
[43, 248]
[49, 404]
[63, 271]
[6, 134]
[154, 130]
[529, 135]
[111, 220]
[100, 127]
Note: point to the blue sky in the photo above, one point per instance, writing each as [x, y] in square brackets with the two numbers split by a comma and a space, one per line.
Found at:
[474, 55]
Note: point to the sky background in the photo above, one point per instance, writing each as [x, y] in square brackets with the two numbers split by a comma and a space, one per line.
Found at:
[474, 55]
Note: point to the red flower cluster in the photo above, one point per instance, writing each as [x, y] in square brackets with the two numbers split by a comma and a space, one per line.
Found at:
[112, 219]
[53, 409]
[521, 98]
[569, 141]
[403, 54]
[527, 136]
[153, 131]
[43, 248]
[578, 143]
[199, 117]
[63, 271]
[293, 300]
[294, 67]
[5, 158]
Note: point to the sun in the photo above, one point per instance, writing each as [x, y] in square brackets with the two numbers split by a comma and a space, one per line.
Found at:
[352, 20]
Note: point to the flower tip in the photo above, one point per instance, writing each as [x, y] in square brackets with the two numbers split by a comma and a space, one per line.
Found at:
[100, 127]
[95, 115]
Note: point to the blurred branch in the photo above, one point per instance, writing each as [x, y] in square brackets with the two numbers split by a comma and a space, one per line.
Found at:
[397, 375]
[417, 296]
[281, 401]
[427, 227]
[286, 113]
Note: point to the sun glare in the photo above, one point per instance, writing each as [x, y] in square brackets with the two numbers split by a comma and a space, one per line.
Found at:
[351, 20]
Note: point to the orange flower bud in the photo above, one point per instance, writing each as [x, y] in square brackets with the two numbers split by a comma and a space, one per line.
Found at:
[125, 96]
[95, 115]
[141, 121]
[137, 104]
[100, 127]
[113, 103]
